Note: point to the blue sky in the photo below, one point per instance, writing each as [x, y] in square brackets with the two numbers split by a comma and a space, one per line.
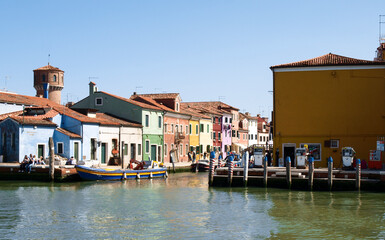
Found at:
[204, 49]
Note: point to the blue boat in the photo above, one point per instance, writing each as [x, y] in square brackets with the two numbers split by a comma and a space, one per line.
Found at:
[88, 173]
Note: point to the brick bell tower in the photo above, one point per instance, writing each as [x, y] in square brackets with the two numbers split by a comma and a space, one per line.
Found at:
[48, 82]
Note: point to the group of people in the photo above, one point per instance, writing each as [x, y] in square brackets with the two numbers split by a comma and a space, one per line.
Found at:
[28, 162]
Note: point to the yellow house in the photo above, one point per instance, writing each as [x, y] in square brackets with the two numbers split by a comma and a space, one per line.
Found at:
[328, 103]
[205, 136]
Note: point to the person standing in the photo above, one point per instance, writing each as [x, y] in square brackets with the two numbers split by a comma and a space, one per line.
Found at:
[194, 156]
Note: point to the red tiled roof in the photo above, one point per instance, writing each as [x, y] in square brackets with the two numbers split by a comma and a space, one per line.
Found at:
[68, 133]
[32, 121]
[106, 119]
[215, 107]
[148, 100]
[48, 67]
[140, 104]
[192, 111]
[160, 95]
[329, 60]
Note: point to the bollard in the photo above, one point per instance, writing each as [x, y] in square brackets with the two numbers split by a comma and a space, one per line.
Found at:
[150, 176]
[124, 176]
[265, 173]
[330, 173]
[51, 160]
[245, 168]
[211, 171]
[311, 173]
[358, 174]
[230, 173]
[288, 172]
[137, 176]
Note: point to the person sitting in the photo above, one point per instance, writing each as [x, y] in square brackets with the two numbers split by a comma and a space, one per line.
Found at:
[42, 160]
[70, 161]
[23, 163]
[31, 162]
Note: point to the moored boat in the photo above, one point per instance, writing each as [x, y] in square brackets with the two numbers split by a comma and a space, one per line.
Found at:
[203, 165]
[88, 173]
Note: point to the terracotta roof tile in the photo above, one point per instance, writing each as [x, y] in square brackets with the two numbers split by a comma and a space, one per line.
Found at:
[148, 100]
[140, 104]
[329, 60]
[32, 121]
[48, 67]
[160, 95]
[68, 133]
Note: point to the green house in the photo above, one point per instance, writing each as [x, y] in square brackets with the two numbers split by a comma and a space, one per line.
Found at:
[150, 116]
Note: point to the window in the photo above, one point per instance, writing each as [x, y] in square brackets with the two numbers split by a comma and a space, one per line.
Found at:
[256, 137]
[219, 136]
[186, 129]
[4, 139]
[176, 128]
[231, 120]
[13, 141]
[172, 128]
[220, 120]
[213, 119]
[181, 150]
[264, 138]
[196, 129]
[208, 128]
[214, 135]
[181, 128]
[172, 147]
[147, 146]
[125, 149]
[260, 138]
[54, 78]
[165, 127]
[225, 119]
[93, 148]
[147, 121]
[201, 128]
[60, 148]
[186, 149]
[139, 149]
[233, 133]
[251, 136]
[190, 128]
[159, 122]
[165, 149]
[98, 101]
[334, 143]
[177, 107]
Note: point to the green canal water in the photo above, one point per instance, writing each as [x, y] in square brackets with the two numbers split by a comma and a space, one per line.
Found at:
[183, 207]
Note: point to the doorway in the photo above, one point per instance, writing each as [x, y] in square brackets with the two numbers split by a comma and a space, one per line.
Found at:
[40, 150]
[76, 151]
[133, 151]
[289, 151]
[104, 151]
[153, 152]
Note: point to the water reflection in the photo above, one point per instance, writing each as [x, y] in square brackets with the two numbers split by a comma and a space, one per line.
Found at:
[183, 206]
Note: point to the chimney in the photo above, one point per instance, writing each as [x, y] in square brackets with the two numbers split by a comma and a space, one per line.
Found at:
[92, 87]
[134, 93]
[247, 113]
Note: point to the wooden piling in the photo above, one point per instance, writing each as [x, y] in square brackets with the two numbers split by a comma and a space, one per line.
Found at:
[211, 172]
[230, 173]
[358, 174]
[330, 173]
[311, 173]
[288, 172]
[265, 173]
[245, 168]
[51, 160]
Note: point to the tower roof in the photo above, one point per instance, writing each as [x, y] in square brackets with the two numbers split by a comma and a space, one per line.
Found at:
[48, 67]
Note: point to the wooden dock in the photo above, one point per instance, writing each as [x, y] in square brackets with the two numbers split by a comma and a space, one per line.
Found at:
[372, 180]
[10, 171]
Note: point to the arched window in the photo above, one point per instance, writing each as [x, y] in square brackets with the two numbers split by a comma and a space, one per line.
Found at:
[54, 78]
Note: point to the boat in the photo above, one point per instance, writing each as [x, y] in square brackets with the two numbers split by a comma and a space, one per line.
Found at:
[203, 165]
[89, 173]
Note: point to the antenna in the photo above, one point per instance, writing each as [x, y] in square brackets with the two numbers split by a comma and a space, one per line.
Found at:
[380, 22]
[49, 55]
[89, 78]
[137, 87]
[221, 97]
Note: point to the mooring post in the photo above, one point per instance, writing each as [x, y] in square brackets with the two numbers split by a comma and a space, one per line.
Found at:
[288, 172]
[51, 160]
[245, 167]
[311, 173]
[265, 173]
[211, 171]
[330, 173]
[230, 173]
[358, 174]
